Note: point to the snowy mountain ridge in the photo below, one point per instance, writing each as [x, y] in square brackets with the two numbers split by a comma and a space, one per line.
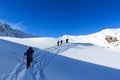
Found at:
[109, 38]
[6, 30]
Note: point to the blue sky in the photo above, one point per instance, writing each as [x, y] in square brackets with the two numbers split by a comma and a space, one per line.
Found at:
[55, 18]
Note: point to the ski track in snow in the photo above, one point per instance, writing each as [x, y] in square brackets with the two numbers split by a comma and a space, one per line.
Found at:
[41, 59]
[19, 68]
[48, 55]
[19, 71]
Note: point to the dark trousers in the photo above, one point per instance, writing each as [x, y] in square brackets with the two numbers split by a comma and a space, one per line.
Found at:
[28, 63]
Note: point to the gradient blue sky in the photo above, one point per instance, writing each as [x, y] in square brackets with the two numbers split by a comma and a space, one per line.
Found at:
[55, 18]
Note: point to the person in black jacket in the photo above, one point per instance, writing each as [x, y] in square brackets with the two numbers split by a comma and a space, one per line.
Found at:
[61, 42]
[67, 40]
[58, 43]
[29, 54]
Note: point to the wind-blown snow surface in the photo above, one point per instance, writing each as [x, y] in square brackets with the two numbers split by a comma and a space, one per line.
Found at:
[72, 61]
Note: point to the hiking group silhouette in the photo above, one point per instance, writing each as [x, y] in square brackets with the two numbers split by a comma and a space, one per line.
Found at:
[61, 42]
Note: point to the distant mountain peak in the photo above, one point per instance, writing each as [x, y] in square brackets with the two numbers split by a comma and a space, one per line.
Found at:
[6, 30]
[109, 38]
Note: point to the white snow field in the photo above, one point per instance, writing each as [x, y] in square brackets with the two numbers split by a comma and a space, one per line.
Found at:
[76, 60]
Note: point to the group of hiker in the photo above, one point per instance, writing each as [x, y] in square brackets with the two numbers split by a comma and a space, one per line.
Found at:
[29, 53]
[61, 42]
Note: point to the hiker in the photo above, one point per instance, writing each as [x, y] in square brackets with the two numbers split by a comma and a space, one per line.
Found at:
[61, 42]
[29, 58]
[67, 40]
[58, 43]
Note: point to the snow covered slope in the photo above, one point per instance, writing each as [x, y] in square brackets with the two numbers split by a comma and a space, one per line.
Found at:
[41, 43]
[76, 61]
[98, 38]
[83, 58]
[6, 30]
[72, 61]
[11, 54]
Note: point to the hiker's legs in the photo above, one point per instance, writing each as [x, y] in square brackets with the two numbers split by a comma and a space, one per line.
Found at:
[31, 59]
[28, 63]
